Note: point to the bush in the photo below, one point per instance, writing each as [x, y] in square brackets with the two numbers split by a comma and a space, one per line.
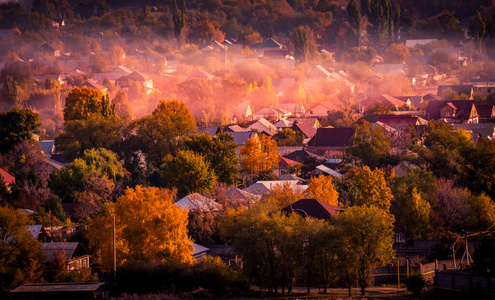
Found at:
[416, 283]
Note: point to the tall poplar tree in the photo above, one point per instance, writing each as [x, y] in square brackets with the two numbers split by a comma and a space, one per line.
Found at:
[179, 17]
[354, 17]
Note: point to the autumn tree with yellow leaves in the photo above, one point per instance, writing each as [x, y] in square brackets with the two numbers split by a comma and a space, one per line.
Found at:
[259, 154]
[321, 188]
[372, 189]
[149, 228]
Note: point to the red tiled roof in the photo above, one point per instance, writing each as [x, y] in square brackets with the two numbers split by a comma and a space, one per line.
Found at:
[7, 178]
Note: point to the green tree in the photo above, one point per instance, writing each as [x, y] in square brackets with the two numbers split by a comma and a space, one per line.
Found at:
[87, 102]
[104, 161]
[220, 152]
[365, 238]
[354, 17]
[202, 32]
[163, 132]
[16, 126]
[288, 137]
[379, 17]
[12, 93]
[187, 172]
[482, 211]
[122, 105]
[143, 216]
[370, 145]
[301, 46]
[20, 252]
[477, 29]
[179, 18]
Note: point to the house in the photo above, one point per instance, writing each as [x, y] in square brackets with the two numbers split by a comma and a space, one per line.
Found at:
[456, 111]
[332, 137]
[280, 85]
[389, 69]
[268, 45]
[240, 138]
[271, 112]
[387, 100]
[294, 109]
[244, 110]
[261, 125]
[46, 50]
[284, 165]
[94, 86]
[420, 42]
[313, 122]
[324, 170]
[301, 156]
[431, 97]
[199, 252]
[73, 260]
[275, 53]
[236, 197]
[413, 100]
[481, 130]
[196, 201]
[7, 178]
[234, 128]
[485, 112]
[265, 187]
[113, 74]
[79, 291]
[313, 208]
[307, 130]
[321, 110]
[211, 130]
[282, 124]
[123, 82]
[459, 89]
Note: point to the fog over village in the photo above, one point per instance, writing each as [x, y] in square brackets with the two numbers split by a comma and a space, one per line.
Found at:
[169, 149]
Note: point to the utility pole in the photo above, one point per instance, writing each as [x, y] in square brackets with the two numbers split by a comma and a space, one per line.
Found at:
[114, 252]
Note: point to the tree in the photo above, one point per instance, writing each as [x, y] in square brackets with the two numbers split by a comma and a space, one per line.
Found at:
[301, 47]
[12, 93]
[164, 131]
[104, 161]
[415, 217]
[258, 154]
[378, 109]
[452, 205]
[143, 216]
[122, 106]
[288, 137]
[322, 188]
[83, 103]
[370, 145]
[179, 18]
[16, 126]
[482, 211]
[365, 238]
[94, 132]
[220, 152]
[483, 256]
[187, 172]
[379, 17]
[372, 189]
[397, 53]
[354, 17]
[202, 32]
[20, 253]
[477, 29]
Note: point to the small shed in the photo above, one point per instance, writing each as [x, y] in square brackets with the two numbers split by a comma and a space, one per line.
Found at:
[54, 291]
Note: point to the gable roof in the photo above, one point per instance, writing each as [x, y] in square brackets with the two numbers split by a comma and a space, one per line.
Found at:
[415, 100]
[198, 249]
[283, 123]
[270, 43]
[319, 71]
[477, 129]
[398, 120]
[293, 108]
[485, 111]
[261, 125]
[328, 171]
[234, 128]
[47, 48]
[35, 230]
[431, 97]
[53, 249]
[459, 89]
[332, 137]
[313, 208]
[305, 129]
[7, 178]
[264, 187]
[463, 108]
[134, 76]
[196, 201]
[301, 155]
[240, 138]
[211, 130]
[240, 195]
[47, 146]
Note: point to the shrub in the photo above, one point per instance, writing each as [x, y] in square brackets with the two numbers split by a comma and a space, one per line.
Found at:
[415, 283]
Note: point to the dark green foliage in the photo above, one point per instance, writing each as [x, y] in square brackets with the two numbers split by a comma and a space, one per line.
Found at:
[211, 274]
[484, 261]
[220, 152]
[379, 18]
[300, 37]
[354, 17]
[11, 93]
[415, 283]
[16, 126]
[289, 137]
